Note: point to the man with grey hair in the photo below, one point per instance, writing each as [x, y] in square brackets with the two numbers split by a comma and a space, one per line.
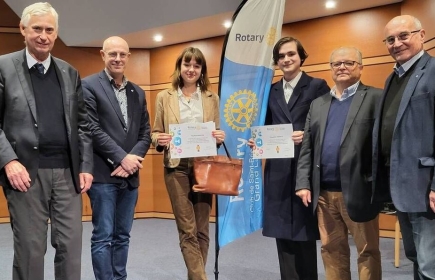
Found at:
[334, 169]
[403, 142]
[45, 149]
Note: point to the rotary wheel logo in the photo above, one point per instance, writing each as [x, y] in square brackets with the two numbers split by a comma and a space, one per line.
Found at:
[241, 109]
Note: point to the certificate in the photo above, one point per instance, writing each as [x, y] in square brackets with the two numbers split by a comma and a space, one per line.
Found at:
[273, 141]
[192, 140]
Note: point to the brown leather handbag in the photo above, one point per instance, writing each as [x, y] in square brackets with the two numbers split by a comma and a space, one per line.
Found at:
[217, 174]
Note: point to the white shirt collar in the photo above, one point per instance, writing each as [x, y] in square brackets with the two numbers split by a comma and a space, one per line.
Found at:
[293, 82]
[195, 95]
[402, 69]
[31, 61]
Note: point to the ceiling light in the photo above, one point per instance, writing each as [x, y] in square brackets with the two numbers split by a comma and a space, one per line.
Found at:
[158, 38]
[330, 4]
[227, 24]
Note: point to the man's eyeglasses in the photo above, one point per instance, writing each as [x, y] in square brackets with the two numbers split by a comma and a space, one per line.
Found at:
[347, 64]
[401, 37]
[114, 55]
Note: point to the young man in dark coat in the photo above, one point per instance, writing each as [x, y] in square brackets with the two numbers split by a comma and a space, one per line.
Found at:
[285, 217]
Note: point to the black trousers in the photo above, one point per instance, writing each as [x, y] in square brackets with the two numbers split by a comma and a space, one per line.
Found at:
[297, 259]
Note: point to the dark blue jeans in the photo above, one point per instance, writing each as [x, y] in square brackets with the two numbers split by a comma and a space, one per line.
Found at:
[418, 233]
[112, 218]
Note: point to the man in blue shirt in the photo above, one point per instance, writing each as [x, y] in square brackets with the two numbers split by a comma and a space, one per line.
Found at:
[334, 169]
[403, 139]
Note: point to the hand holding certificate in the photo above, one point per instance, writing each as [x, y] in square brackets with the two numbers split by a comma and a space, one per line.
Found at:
[192, 140]
[273, 141]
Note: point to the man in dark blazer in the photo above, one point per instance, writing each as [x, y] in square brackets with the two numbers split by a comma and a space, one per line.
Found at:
[403, 142]
[285, 217]
[334, 169]
[120, 129]
[45, 149]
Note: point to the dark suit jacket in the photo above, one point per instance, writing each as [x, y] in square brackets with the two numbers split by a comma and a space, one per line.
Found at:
[113, 140]
[284, 214]
[412, 148]
[355, 148]
[19, 122]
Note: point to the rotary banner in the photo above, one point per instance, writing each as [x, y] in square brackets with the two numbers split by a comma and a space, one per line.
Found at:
[245, 78]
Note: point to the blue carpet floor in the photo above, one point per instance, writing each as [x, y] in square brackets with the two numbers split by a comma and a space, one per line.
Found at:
[155, 255]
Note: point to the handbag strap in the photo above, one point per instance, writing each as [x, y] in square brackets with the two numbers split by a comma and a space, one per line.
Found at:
[226, 150]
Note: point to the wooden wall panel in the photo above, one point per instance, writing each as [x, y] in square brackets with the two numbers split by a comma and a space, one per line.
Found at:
[145, 201]
[361, 29]
[152, 102]
[387, 222]
[4, 213]
[162, 61]
[7, 17]
[86, 207]
[11, 42]
[423, 10]
[375, 75]
[88, 61]
[138, 69]
[160, 195]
